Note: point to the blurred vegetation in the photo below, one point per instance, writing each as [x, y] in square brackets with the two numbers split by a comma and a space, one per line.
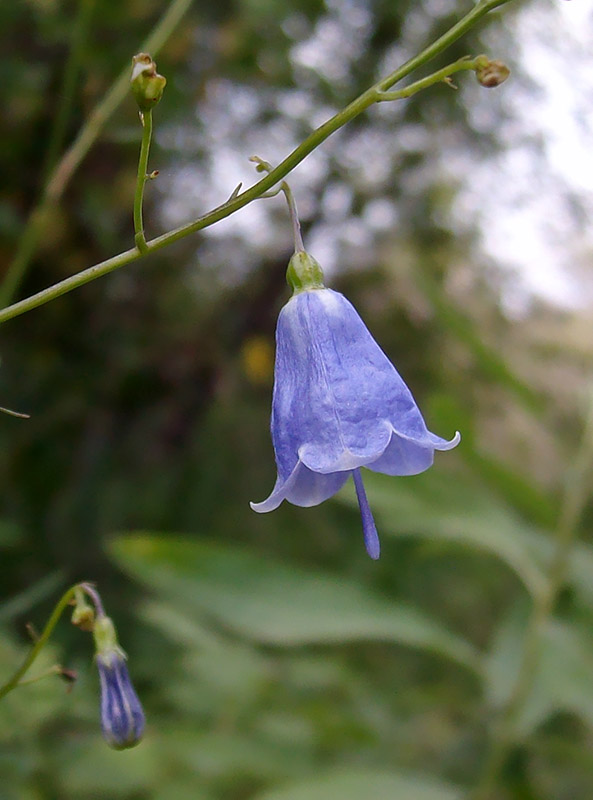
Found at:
[274, 659]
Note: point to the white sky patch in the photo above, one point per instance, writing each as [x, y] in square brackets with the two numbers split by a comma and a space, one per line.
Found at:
[525, 198]
[532, 199]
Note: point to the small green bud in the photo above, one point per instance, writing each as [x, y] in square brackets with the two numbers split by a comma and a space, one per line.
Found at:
[147, 84]
[491, 73]
[304, 273]
[83, 617]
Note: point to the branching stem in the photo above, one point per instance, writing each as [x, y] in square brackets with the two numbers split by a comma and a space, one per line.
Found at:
[39, 644]
[62, 173]
[465, 63]
[237, 201]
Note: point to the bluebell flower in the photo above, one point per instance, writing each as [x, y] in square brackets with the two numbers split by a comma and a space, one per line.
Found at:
[338, 403]
[122, 717]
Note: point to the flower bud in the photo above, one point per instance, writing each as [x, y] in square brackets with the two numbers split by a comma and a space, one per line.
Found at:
[122, 717]
[304, 273]
[83, 615]
[491, 73]
[147, 84]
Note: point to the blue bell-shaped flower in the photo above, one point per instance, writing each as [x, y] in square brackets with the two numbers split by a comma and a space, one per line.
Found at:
[338, 403]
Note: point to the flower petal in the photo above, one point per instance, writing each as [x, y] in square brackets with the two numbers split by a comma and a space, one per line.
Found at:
[315, 456]
[336, 393]
[303, 488]
[407, 456]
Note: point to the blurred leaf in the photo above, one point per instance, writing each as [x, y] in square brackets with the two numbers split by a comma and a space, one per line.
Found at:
[455, 321]
[91, 763]
[226, 669]
[215, 755]
[456, 510]
[179, 788]
[580, 563]
[275, 604]
[10, 534]
[460, 511]
[515, 486]
[580, 569]
[367, 784]
[562, 680]
[31, 596]
[24, 710]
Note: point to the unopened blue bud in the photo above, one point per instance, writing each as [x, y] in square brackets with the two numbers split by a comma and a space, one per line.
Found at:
[122, 717]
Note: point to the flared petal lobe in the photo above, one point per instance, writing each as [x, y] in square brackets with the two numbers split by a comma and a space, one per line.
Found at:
[303, 487]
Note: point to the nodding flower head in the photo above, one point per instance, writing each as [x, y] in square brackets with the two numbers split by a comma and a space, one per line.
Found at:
[122, 717]
[338, 403]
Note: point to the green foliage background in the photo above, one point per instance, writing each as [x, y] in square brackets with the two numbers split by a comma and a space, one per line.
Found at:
[274, 659]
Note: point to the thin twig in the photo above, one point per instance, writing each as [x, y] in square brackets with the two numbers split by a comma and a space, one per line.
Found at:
[70, 161]
[14, 681]
[356, 107]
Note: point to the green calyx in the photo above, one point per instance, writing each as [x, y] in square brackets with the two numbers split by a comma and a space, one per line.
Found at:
[105, 637]
[147, 84]
[304, 273]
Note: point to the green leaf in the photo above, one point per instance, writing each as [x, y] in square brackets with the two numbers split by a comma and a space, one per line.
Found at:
[10, 534]
[371, 785]
[91, 764]
[580, 570]
[215, 755]
[275, 604]
[561, 680]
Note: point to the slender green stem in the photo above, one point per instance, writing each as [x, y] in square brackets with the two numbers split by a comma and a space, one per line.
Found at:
[62, 173]
[55, 670]
[237, 201]
[265, 166]
[436, 77]
[65, 96]
[576, 493]
[13, 682]
[90, 590]
[139, 237]
[294, 217]
[12, 413]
